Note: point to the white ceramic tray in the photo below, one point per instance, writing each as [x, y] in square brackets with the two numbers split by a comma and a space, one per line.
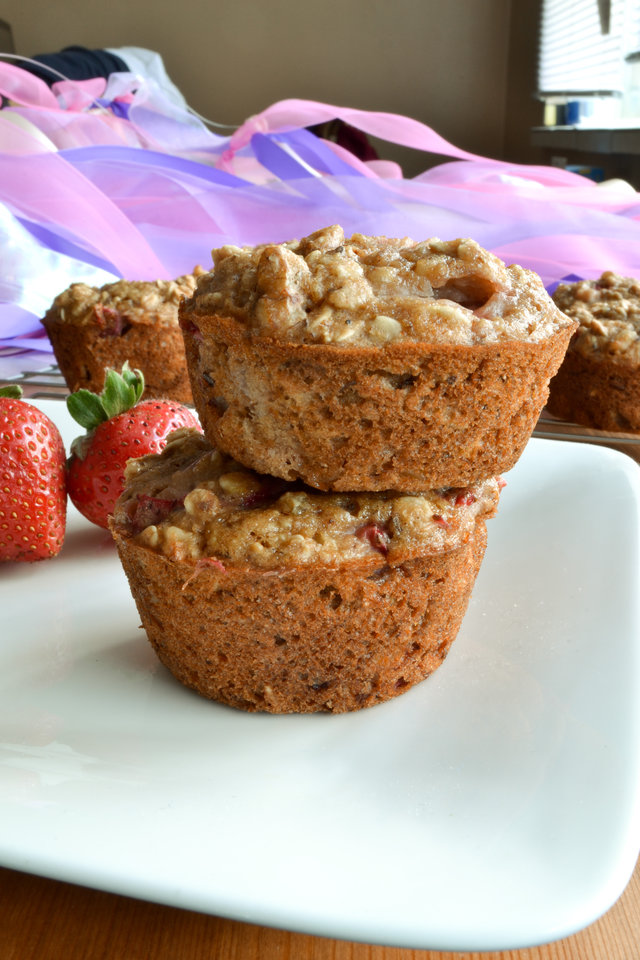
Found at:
[494, 806]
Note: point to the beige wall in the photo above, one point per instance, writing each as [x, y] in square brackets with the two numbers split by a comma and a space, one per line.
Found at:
[522, 110]
[444, 62]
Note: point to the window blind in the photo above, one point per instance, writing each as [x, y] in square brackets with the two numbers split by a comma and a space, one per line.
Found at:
[632, 31]
[576, 56]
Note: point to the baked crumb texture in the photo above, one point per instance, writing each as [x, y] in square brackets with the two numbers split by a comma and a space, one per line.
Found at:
[91, 328]
[271, 596]
[598, 384]
[371, 363]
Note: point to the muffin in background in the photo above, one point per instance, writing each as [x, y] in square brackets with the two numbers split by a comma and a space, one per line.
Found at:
[92, 328]
[269, 596]
[371, 363]
[598, 384]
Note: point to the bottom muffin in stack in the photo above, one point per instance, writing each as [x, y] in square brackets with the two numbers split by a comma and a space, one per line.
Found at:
[267, 595]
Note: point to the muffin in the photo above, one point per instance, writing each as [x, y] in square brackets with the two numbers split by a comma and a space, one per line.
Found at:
[598, 384]
[267, 595]
[371, 363]
[91, 328]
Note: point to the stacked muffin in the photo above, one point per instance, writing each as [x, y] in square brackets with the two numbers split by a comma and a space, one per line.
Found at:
[316, 549]
[92, 328]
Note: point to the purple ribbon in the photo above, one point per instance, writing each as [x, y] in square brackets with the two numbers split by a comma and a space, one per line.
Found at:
[59, 244]
[269, 150]
[118, 107]
[570, 278]
[78, 156]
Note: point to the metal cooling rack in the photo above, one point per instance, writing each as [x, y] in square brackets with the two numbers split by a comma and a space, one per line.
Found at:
[549, 428]
[49, 384]
[46, 384]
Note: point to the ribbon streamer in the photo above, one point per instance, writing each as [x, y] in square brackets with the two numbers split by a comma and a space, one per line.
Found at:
[106, 179]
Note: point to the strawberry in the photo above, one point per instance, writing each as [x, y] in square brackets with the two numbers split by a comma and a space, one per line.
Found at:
[119, 426]
[376, 535]
[33, 496]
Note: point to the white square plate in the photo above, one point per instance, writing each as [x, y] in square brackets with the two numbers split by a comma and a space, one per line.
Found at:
[493, 807]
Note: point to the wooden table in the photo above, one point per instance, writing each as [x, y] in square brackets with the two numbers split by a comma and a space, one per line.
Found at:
[47, 920]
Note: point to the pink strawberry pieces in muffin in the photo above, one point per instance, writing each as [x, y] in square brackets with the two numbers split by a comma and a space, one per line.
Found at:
[376, 535]
[146, 510]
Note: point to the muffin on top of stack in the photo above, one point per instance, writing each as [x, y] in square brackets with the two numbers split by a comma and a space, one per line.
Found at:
[316, 549]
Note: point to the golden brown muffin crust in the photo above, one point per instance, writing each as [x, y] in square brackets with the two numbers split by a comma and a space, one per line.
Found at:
[408, 417]
[304, 639]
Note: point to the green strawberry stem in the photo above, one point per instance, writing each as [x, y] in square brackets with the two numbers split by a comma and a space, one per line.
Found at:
[12, 391]
[121, 391]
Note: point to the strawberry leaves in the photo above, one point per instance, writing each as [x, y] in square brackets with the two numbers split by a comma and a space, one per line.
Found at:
[119, 426]
[120, 392]
[12, 391]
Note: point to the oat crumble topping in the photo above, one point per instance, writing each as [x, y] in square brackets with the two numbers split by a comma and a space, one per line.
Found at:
[375, 290]
[193, 503]
[608, 311]
[135, 300]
